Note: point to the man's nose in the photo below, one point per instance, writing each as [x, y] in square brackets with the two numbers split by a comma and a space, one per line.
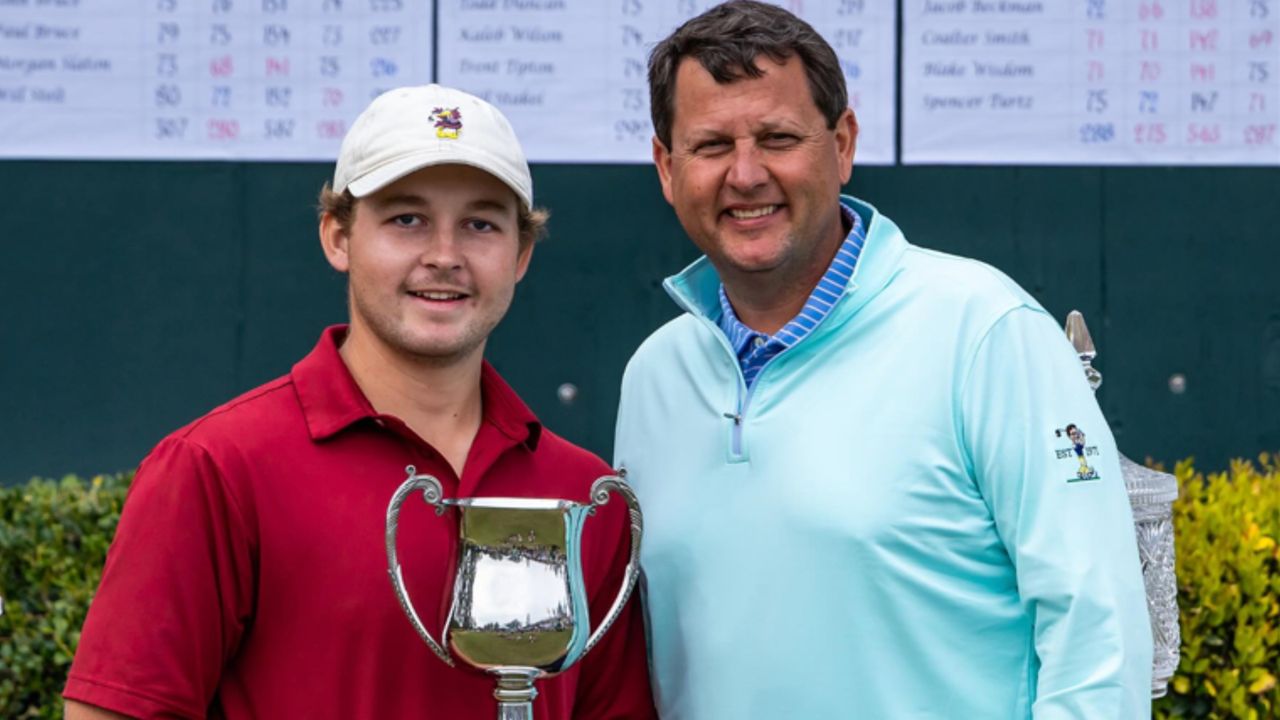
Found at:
[747, 171]
[443, 249]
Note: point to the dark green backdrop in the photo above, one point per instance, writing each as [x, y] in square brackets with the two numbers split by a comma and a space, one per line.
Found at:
[139, 295]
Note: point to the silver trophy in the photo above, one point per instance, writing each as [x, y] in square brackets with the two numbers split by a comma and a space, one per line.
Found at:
[1151, 496]
[519, 599]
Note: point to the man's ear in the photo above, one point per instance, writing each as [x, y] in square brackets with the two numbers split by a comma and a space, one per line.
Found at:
[662, 161]
[334, 241]
[522, 261]
[846, 143]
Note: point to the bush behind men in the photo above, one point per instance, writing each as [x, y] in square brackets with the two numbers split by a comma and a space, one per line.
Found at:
[248, 575]
[845, 447]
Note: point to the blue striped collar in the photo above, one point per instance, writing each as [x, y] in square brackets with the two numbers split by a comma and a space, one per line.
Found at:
[755, 349]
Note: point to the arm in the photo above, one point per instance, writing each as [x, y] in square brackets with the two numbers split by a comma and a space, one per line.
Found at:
[614, 681]
[1069, 536]
[175, 595]
[80, 711]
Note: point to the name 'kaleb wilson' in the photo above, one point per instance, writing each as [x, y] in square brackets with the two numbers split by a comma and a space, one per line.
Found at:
[516, 33]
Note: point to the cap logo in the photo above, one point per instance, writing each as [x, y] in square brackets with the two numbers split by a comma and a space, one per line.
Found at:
[448, 122]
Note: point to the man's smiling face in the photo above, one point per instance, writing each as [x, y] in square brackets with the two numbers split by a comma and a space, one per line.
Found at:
[432, 261]
[754, 173]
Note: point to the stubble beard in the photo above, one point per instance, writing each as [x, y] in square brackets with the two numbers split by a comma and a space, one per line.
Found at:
[788, 274]
[758, 271]
[396, 334]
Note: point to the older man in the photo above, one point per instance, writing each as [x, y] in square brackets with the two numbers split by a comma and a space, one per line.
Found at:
[857, 502]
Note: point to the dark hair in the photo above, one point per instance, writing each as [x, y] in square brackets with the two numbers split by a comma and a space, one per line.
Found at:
[727, 39]
[531, 223]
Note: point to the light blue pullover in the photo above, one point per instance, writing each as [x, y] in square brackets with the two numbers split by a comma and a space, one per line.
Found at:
[898, 523]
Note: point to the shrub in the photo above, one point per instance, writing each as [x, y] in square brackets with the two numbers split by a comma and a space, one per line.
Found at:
[1228, 564]
[54, 538]
[53, 542]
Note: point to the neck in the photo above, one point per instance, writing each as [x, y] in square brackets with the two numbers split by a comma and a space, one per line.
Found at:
[766, 302]
[766, 312]
[440, 400]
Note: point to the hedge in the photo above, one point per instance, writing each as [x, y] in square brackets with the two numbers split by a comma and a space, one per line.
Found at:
[1228, 563]
[54, 537]
[53, 542]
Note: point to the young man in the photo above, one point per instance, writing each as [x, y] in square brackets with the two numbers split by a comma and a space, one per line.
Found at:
[248, 577]
[856, 500]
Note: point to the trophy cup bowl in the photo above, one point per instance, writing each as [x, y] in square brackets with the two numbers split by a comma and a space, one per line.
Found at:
[519, 609]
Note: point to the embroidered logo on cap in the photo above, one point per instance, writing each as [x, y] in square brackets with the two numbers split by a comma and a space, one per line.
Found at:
[1079, 450]
[448, 122]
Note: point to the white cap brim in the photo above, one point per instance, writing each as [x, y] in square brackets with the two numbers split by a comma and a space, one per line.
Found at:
[381, 177]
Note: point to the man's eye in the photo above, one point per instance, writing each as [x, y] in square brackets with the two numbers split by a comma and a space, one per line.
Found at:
[779, 139]
[479, 225]
[406, 220]
[710, 146]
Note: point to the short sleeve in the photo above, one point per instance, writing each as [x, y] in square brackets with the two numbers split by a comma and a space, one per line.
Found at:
[176, 593]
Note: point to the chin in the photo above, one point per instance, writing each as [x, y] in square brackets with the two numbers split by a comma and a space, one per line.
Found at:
[755, 250]
[435, 347]
[444, 349]
[753, 264]
[436, 355]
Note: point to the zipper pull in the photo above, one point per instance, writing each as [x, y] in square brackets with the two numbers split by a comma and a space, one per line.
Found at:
[735, 417]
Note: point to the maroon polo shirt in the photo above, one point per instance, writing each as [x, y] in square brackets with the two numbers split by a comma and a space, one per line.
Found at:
[248, 576]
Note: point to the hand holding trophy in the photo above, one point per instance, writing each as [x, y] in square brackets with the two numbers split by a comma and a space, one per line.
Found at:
[519, 607]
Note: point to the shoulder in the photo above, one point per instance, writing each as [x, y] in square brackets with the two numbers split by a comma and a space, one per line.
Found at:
[256, 418]
[202, 471]
[573, 460]
[948, 277]
[948, 291]
[566, 470]
[915, 277]
[671, 343]
[219, 457]
[680, 330]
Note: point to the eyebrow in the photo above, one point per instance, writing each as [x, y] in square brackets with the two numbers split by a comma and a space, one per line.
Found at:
[490, 204]
[406, 199]
[772, 125]
[706, 133]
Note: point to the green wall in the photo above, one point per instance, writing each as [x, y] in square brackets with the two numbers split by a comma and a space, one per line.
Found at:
[139, 295]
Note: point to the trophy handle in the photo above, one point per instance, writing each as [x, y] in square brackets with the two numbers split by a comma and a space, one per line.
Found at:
[433, 494]
[599, 496]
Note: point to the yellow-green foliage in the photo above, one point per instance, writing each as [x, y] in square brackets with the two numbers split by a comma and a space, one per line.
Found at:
[53, 542]
[1228, 563]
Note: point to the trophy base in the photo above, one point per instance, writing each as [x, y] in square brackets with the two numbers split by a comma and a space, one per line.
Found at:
[515, 692]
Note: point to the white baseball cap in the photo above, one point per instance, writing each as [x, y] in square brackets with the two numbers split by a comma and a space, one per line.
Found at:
[409, 128]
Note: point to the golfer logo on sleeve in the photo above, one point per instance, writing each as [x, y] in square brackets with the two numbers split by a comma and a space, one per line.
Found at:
[1078, 448]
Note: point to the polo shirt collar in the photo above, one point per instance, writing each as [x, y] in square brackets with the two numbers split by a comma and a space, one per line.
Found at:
[331, 400]
[504, 409]
[816, 306]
